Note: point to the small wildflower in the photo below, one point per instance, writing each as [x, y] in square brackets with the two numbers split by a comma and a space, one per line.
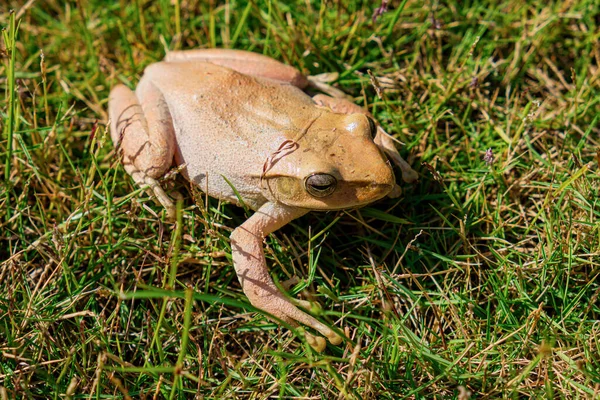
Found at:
[488, 157]
[94, 129]
[379, 11]
[474, 83]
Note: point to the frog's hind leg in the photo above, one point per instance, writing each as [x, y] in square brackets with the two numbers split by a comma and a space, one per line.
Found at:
[258, 65]
[245, 62]
[142, 130]
[383, 140]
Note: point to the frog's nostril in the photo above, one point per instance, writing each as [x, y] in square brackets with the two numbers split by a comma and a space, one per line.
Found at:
[320, 185]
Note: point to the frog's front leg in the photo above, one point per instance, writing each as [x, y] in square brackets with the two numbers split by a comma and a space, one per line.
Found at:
[142, 128]
[382, 139]
[251, 268]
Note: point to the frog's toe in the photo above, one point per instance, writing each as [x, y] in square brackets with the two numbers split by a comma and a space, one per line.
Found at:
[312, 322]
[409, 175]
[287, 284]
[285, 310]
[303, 303]
[316, 342]
[316, 83]
[335, 339]
[162, 197]
[396, 192]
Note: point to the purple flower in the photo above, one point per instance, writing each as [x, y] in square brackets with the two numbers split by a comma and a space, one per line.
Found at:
[379, 11]
[488, 157]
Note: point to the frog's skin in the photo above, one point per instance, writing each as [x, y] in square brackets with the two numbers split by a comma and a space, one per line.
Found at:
[227, 115]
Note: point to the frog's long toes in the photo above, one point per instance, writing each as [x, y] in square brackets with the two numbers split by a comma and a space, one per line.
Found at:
[171, 214]
[307, 305]
[396, 192]
[176, 195]
[287, 284]
[409, 175]
[316, 342]
[334, 338]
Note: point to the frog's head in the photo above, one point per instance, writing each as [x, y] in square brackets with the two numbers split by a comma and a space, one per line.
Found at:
[334, 165]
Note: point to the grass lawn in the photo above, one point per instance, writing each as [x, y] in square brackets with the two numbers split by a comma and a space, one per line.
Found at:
[481, 281]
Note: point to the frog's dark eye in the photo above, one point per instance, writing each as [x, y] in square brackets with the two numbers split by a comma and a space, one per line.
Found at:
[320, 185]
[372, 127]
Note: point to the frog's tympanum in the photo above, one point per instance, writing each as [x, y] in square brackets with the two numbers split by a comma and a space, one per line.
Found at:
[239, 120]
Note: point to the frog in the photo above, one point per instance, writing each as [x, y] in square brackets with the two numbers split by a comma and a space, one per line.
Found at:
[242, 128]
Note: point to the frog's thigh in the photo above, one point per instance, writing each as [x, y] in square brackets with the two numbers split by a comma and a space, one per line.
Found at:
[244, 62]
[142, 128]
[141, 124]
[382, 139]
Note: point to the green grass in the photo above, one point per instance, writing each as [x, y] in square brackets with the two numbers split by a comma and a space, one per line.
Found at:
[483, 280]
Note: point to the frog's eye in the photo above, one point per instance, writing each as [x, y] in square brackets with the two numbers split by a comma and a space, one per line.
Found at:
[372, 127]
[320, 185]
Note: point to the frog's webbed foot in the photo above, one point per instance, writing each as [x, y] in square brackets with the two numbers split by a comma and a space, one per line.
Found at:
[265, 296]
[250, 266]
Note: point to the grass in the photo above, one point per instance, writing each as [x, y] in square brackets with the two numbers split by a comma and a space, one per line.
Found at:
[482, 281]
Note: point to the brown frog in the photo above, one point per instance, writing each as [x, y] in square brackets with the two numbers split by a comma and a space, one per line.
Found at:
[240, 120]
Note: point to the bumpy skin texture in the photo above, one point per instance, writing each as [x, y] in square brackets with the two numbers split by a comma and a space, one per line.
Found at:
[233, 118]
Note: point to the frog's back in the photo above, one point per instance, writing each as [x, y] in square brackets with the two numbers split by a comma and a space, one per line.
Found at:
[227, 124]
